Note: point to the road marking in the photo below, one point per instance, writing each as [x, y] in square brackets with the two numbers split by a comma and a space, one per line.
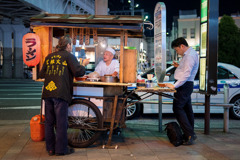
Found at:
[20, 107]
[26, 94]
[20, 98]
[7, 90]
[21, 85]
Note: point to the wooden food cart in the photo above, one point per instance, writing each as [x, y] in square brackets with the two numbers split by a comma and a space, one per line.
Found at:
[86, 121]
[82, 27]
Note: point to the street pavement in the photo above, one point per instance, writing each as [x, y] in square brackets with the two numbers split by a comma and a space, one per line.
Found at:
[140, 140]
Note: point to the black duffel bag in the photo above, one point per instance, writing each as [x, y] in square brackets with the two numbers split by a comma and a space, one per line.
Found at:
[174, 133]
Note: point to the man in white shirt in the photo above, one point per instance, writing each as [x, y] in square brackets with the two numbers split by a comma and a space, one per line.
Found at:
[108, 66]
[184, 76]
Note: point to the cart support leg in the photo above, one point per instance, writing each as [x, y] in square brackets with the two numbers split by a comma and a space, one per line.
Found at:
[112, 121]
[160, 113]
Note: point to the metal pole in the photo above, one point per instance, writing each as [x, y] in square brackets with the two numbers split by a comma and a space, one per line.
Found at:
[132, 7]
[207, 114]
[160, 113]
[226, 110]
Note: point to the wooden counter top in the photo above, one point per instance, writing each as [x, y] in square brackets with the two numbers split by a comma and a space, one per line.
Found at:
[155, 89]
[80, 83]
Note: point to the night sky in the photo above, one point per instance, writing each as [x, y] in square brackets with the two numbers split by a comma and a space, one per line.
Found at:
[173, 7]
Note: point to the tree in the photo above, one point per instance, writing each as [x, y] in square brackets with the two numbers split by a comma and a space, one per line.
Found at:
[229, 41]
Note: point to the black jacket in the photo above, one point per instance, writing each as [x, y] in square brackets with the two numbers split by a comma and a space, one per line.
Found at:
[58, 70]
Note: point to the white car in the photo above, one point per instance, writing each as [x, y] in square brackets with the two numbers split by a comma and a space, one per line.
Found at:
[227, 73]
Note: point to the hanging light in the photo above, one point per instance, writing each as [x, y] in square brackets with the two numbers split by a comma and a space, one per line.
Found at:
[31, 49]
[83, 46]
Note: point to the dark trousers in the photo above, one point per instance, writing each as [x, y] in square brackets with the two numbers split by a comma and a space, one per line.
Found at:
[182, 108]
[56, 116]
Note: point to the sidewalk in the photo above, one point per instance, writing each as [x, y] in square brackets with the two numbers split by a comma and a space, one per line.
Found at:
[139, 141]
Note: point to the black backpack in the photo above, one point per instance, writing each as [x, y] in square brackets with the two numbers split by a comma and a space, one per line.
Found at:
[174, 133]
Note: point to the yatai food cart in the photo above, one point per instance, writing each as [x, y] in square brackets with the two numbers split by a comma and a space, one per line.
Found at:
[96, 106]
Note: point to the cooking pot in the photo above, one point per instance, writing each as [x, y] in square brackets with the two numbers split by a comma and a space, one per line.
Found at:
[109, 78]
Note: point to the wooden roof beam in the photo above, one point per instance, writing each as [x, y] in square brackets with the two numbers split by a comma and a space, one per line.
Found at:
[90, 17]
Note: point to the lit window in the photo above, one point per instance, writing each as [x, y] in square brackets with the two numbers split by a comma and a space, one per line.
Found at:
[192, 32]
[184, 32]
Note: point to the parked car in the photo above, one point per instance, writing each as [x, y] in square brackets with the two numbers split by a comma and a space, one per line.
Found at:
[227, 73]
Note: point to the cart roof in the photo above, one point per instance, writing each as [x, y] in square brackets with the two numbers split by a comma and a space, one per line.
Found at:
[107, 25]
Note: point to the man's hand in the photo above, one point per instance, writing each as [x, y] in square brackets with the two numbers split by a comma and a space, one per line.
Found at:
[169, 85]
[85, 62]
[175, 64]
[115, 74]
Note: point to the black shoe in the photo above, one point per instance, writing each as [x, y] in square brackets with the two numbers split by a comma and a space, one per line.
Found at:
[51, 153]
[189, 141]
[69, 151]
[186, 139]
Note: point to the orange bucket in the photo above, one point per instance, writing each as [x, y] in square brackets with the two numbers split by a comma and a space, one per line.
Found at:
[37, 128]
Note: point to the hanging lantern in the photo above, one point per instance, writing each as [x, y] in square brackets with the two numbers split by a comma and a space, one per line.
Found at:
[31, 49]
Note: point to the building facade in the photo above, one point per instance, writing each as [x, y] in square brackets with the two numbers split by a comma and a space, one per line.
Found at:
[188, 26]
[14, 23]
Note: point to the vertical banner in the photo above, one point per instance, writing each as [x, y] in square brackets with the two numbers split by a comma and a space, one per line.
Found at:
[95, 38]
[81, 34]
[160, 41]
[87, 37]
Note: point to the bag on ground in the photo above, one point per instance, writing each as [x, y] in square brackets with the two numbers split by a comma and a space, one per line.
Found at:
[174, 133]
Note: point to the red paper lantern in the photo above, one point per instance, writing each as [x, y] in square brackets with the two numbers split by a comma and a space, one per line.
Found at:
[31, 49]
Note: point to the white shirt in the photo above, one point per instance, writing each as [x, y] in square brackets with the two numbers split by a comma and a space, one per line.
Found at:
[188, 67]
[103, 69]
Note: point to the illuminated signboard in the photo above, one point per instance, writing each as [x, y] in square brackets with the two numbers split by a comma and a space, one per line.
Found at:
[204, 10]
[203, 46]
[203, 54]
[160, 41]
[208, 47]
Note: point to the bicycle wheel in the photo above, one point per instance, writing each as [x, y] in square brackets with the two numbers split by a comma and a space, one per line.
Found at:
[84, 120]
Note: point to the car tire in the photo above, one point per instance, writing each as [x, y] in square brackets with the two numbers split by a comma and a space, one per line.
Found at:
[133, 111]
[235, 110]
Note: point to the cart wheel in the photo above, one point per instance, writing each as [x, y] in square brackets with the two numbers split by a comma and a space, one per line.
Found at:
[84, 118]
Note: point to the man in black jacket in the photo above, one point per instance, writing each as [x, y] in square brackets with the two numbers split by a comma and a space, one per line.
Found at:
[58, 70]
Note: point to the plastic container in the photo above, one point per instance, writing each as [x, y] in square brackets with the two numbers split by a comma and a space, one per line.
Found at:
[149, 84]
[37, 128]
[141, 83]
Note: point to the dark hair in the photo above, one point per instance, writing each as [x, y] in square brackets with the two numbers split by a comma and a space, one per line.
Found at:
[177, 42]
[63, 42]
